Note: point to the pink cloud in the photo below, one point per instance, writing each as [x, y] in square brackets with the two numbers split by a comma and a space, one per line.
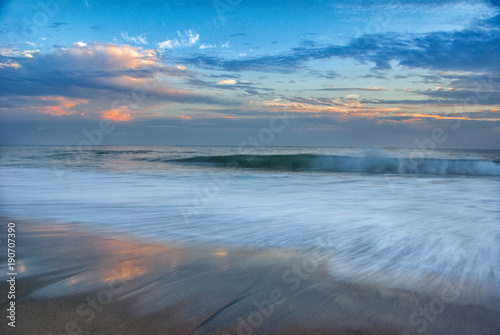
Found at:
[60, 105]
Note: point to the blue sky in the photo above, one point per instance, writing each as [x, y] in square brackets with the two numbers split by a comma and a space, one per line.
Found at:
[343, 73]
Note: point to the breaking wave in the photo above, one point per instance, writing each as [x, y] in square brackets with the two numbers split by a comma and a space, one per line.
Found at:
[335, 163]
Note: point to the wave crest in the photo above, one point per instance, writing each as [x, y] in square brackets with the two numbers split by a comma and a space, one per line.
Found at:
[336, 163]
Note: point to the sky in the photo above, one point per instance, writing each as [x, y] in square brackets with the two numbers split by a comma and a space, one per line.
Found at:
[410, 73]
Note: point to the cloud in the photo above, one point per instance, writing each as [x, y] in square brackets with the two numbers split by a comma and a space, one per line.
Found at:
[57, 24]
[324, 74]
[283, 63]
[136, 40]
[370, 88]
[352, 96]
[490, 115]
[186, 39]
[468, 50]
[205, 126]
[224, 75]
[351, 107]
[8, 62]
[99, 73]
[57, 106]
[94, 56]
[227, 82]
[193, 37]
[345, 108]
[118, 115]
[169, 44]
[464, 96]
[207, 46]
[466, 88]
[474, 49]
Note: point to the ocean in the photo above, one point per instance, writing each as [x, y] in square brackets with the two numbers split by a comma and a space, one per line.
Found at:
[404, 217]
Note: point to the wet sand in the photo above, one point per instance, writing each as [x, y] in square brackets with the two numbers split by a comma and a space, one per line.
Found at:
[78, 282]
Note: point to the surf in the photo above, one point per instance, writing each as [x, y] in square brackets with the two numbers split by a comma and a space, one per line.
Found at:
[371, 164]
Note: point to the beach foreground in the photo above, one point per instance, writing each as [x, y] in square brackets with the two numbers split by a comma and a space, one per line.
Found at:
[74, 282]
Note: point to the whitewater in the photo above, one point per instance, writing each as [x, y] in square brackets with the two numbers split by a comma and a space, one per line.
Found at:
[404, 218]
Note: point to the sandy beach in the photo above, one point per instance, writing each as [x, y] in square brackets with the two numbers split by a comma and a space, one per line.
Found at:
[74, 282]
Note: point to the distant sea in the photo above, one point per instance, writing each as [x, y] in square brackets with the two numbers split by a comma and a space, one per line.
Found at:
[406, 217]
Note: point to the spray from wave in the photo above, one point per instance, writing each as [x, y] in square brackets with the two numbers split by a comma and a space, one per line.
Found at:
[375, 164]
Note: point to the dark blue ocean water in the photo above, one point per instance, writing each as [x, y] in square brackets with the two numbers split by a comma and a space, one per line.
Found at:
[410, 218]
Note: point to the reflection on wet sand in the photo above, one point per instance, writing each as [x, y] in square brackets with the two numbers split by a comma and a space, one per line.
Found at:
[126, 270]
[100, 285]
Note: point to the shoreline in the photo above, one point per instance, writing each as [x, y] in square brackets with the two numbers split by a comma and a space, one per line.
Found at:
[74, 282]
